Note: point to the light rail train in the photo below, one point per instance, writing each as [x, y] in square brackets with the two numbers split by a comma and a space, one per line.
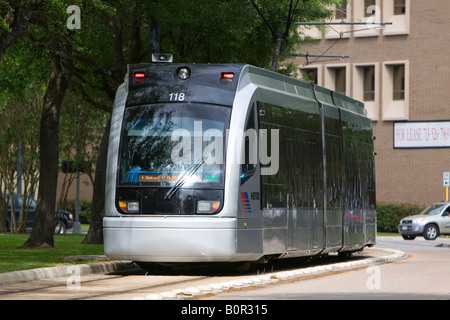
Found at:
[227, 163]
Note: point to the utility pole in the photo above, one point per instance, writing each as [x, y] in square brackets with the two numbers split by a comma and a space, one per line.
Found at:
[155, 33]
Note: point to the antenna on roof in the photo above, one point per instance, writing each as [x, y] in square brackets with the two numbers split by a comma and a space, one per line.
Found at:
[162, 57]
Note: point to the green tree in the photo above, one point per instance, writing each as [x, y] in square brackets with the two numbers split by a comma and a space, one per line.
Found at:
[280, 18]
[21, 100]
[60, 45]
[15, 17]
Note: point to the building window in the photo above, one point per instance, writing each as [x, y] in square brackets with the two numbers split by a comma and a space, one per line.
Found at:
[340, 80]
[310, 75]
[341, 11]
[369, 12]
[399, 7]
[367, 5]
[369, 83]
[366, 87]
[337, 78]
[399, 82]
[397, 12]
[395, 90]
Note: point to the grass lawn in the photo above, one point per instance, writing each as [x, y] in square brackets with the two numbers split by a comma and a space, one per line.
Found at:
[12, 258]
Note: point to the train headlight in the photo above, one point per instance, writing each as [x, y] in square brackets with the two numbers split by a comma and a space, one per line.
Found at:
[129, 206]
[133, 206]
[207, 206]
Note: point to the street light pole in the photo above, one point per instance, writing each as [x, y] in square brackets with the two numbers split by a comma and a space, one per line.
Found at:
[77, 224]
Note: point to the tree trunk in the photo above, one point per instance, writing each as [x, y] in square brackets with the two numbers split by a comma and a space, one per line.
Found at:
[44, 222]
[276, 54]
[95, 233]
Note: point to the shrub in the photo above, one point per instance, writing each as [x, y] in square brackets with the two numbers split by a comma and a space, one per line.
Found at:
[390, 214]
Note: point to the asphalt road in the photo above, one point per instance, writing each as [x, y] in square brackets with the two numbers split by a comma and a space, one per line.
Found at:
[423, 275]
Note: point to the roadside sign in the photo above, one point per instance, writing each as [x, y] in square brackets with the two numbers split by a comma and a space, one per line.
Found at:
[446, 179]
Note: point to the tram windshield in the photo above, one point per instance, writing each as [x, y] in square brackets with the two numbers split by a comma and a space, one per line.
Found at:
[165, 144]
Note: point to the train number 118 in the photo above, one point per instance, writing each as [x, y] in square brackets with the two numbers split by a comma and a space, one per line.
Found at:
[177, 96]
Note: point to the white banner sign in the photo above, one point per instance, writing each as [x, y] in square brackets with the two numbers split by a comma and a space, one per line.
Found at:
[422, 134]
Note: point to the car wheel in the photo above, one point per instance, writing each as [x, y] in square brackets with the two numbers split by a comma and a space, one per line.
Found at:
[60, 228]
[431, 232]
[408, 237]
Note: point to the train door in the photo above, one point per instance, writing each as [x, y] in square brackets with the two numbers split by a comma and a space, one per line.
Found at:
[292, 199]
[249, 235]
[307, 180]
[273, 130]
[300, 152]
[334, 179]
[287, 154]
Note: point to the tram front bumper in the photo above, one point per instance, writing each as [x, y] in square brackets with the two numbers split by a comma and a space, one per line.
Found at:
[170, 239]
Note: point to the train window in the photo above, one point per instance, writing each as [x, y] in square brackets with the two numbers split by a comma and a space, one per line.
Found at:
[161, 143]
[300, 176]
[248, 167]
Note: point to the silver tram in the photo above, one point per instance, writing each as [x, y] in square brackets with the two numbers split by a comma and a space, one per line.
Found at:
[225, 163]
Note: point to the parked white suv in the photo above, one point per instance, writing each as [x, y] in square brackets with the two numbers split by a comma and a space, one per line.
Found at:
[431, 222]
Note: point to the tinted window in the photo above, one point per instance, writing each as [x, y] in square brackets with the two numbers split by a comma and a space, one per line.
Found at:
[162, 142]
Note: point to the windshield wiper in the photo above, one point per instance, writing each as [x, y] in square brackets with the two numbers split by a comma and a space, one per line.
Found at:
[186, 175]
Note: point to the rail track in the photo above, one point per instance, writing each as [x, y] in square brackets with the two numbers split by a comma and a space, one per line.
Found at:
[174, 282]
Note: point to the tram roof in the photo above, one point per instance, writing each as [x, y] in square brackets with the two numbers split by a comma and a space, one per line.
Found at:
[161, 82]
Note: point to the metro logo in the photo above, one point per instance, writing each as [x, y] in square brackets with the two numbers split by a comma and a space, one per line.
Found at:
[246, 202]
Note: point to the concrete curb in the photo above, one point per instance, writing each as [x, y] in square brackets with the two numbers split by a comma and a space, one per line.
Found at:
[62, 271]
[270, 278]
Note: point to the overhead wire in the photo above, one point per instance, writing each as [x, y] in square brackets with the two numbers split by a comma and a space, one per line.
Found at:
[342, 33]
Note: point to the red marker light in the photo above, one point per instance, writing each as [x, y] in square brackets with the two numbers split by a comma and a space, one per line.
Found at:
[139, 76]
[227, 75]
